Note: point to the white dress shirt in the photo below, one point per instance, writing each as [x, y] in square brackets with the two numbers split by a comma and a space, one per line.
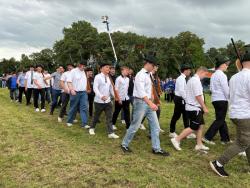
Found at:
[194, 89]
[40, 80]
[219, 86]
[121, 84]
[142, 84]
[180, 86]
[239, 104]
[78, 79]
[47, 81]
[63, 78]
[102, 87]
[28, 77]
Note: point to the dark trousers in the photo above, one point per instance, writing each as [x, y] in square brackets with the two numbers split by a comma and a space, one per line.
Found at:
[36, 93]
[65, 101]
[91, 104]
[55, 96]
[179, 109]
[219, 124]
[28, 95]
[21, 91]
[13, 94]
[99, 108]
[47, 94]
[125, 107]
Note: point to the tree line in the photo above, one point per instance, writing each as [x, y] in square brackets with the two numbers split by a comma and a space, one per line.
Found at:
[82, 41]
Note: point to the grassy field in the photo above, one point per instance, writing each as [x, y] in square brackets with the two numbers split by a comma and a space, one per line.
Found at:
[36, 151]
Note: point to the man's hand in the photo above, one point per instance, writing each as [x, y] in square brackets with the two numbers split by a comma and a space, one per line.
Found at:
[26, 88]
[104, 98]
[153, 106]
[73, 92]
[39, 87]
[205, 110]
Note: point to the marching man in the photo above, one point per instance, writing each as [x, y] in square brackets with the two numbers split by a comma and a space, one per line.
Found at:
[143, 106]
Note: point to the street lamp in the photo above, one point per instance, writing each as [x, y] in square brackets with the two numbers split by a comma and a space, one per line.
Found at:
[105, 21]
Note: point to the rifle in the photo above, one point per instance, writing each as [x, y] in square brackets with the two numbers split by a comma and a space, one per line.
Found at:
[156, 99]
[116, 94]
[238, 61]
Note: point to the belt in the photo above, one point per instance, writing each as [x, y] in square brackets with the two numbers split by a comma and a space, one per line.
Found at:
[140, 98]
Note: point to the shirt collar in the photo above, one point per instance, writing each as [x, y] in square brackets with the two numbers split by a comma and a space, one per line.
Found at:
[183, 75]
[145, 71]
[245, 69]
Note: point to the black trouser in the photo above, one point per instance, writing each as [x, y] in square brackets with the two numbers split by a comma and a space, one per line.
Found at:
[91, 102]
[65, 101]
[47, 94]
[13, 94]
[125, 107]
[99, 108]
[28, 95]
[219, 124]
[179, 109]
[55, 95]
[21, 91]
[36, 93]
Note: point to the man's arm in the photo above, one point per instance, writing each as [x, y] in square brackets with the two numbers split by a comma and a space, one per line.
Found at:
[201, 102]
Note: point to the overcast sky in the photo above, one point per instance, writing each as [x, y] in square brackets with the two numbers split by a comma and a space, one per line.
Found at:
[30, 25]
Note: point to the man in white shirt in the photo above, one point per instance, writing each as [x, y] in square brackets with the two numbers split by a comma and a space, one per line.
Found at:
[29, 84]
[39, 88]
[103, 92]
[220, 95]
[122, 84]
[239, 112]
[77, 84]
[65, 91]
[143, 105]
[195, 108]
[47, 86]
[179, 99]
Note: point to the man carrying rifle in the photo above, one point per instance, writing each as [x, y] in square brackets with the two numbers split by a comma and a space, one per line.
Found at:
[143, 105]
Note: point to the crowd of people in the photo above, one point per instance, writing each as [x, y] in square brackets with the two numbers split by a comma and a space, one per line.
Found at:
[91, 95]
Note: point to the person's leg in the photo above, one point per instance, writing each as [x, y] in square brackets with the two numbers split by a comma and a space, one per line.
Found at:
[74, 103]
[108, 114]
[219, 121]
[97, 113]
[11, 94]
[177, 113]
[20, 97]
[241, 144]
[54, 100]
[91, 101]
[199, 135]
[118, 108]
[36, 95]
[65, 100]
[154, 129]
[139, 111]
[84, 108]
[42, 93]
[28, 96]
[184, 134]
[126, 112]
[223, 130]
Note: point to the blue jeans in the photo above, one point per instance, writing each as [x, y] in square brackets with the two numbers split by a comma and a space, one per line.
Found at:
[141, 109]
[55, 96]
[79, 100]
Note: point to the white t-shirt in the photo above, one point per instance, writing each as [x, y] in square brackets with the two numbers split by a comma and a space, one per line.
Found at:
[78, 79]
[39, 78]
[64, 79]
[194, 89]
[47, 81]
[28, 77]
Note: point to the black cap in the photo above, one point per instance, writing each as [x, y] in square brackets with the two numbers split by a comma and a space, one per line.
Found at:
[220, 59]
[70, 64]
[246, 56]
[83, 62]
[186, 66]
[88, 69]
[102, 64]
[150, 59]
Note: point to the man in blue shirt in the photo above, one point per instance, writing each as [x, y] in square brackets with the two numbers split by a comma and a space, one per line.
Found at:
[21, 85]
[12, 85]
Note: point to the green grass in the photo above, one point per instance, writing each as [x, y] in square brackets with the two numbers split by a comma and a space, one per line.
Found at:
[36, 151]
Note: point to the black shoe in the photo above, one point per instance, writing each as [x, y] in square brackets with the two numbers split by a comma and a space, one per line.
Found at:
[160, 152]
[126, 149]
[218, 170]
[51, 113]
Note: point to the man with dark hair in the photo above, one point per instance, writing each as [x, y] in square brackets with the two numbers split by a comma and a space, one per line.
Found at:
[21, 85]
[91, 94]
[239, 113]
[29, 84]
[144, 106]
[179, 99]
[195, 108]
[220, 95]
[12, 85]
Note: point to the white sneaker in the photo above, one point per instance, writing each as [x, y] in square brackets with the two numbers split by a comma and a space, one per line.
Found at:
[201, 147]
[142, 127]
[114, 127]
[172, 135]
[191, 136]
[242, 154]
[113, 135]
[75, 121]
[92, 131]
[123, 122]
[86, 127]
[69, 124]
[208, 141]
[37, 110]
[176, 144]
[43, 110]
[59, 120]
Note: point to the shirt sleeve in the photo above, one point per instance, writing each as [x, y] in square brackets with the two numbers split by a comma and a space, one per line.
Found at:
[35, 77]
[182, 86]
[197, 89]
[96, 86]
[53, 74]
[224, 85]
[139, 84]
[26, 76]
[63, 77]
[70, 77]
